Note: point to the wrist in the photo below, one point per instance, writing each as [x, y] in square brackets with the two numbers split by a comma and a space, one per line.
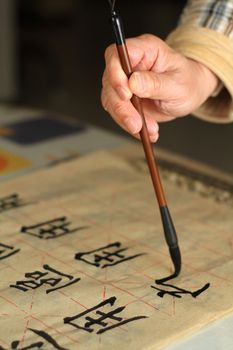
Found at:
[209, 81]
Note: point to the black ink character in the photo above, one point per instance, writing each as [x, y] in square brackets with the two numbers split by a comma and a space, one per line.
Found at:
[10, 202]
[51, 229]
[6, 251]
[90, 319]
[37, 279]
[109, 255]
[15, 345]
[178, 292]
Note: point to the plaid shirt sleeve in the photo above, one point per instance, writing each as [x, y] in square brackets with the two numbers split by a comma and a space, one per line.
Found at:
[213, 14]
[205, 34]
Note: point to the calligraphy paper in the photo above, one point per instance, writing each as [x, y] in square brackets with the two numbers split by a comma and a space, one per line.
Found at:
[81, 249]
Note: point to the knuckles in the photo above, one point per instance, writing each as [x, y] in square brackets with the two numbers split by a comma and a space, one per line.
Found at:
[155, 84]
[104, 100]
[118, 108]
[150, 38]
[109, 51]
[104, 79]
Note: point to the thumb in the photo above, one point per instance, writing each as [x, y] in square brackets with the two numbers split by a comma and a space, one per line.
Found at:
[147, 84]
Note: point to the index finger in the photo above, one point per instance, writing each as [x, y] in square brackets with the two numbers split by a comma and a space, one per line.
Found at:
[115, 74]
[143, 52]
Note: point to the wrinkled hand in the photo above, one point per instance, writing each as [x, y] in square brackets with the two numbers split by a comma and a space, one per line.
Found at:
[170, 84]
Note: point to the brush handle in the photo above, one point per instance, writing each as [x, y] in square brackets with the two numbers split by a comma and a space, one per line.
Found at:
[148, 149]
[137, 103]
[169, 229]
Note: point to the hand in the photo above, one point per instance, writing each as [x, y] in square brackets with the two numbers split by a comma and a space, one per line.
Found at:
[170, 84]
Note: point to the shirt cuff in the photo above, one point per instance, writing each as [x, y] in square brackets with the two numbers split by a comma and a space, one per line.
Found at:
[215, 51]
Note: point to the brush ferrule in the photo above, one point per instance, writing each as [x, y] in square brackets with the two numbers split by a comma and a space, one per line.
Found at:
[117, 28]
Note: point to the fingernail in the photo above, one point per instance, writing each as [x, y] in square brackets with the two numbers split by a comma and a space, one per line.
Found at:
[154, 138]
[123, 93]
[153, 130]
[132, 125]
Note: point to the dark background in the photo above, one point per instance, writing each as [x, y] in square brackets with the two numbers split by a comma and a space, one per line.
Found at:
[61, 46]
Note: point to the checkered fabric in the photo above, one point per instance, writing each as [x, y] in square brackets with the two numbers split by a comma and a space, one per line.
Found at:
[212, 14]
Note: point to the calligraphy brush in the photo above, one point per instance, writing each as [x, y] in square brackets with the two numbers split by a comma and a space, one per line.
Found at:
[168, 226]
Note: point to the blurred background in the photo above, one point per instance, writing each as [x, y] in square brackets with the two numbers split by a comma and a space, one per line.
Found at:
[51, 58]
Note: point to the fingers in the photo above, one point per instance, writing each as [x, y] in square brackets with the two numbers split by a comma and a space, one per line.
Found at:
[152, 85]
[125, 115]
[114, 74]
[118, 90]
[142, 55]
[169, 84]
[121, 111]
[157, 111]
[153, 127]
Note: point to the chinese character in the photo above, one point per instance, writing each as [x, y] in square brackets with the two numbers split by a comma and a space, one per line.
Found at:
[109, 255]
[37, 279]
[10, 202]
[178, 292]
[51, 229]
[37, 345]
[102, 319]
[6, 251]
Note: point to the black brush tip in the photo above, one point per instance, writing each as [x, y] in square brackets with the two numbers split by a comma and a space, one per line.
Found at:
[172, 242]
[176, 259]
